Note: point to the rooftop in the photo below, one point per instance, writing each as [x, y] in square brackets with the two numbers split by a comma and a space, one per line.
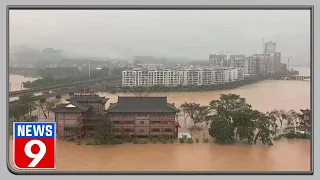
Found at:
[72, 107]
[142, 104]
[87, 97]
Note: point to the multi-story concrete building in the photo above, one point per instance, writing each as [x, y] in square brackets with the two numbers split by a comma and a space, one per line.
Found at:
[262, 66]
[185, 77]
[236, 61]
[207, 77]
[225, 75]
[144, 78]
[217, 61]
[270, 47]
[233, 74]
[273, 63]
[250, 64]
[173, 78]
[190, 77]
[240, 73]
[218, 77]
[129, 78]
[159, 78]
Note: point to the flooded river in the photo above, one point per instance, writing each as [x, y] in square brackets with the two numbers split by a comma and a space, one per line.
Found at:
[285, 155]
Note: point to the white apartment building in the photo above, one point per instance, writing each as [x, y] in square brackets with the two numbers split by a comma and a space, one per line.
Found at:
[144, 78]
[218, 77]
[159, 78]
[207, 77]
[129, 78]
[217, 61]
[236, 61]
[165, 78]
[233, 74]
[190, 77]
[240, 73]
[225, 75]
[250, 64]
[173, 78]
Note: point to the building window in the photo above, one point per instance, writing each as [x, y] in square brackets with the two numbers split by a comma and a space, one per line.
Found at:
[141, 122]
[167, 130]
[155, 130]
[141, 130]
[128, 130]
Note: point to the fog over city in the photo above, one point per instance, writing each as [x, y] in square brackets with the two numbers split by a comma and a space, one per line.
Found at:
[185, 34]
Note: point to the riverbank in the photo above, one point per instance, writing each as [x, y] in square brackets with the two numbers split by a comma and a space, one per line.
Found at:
[194, 88]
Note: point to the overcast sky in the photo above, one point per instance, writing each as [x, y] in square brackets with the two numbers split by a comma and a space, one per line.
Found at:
[192, 34]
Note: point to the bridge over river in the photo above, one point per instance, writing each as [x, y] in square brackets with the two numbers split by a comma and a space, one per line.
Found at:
[281, 77]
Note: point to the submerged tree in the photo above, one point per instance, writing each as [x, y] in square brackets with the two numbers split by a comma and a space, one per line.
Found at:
[24, 106]
[263, 124]
[233, 113]
[184, 115]
[104, 132]
[195, 111]
[222, 130]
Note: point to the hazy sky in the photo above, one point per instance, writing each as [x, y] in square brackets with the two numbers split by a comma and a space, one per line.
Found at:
[192, 34]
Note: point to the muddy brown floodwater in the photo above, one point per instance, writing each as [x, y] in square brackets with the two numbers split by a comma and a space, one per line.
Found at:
[284, 155]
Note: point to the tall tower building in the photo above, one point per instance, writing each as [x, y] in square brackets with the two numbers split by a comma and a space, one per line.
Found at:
[270, 47]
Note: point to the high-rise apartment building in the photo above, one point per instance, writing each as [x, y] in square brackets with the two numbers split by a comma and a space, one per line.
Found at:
[270, 47]
[217, 61]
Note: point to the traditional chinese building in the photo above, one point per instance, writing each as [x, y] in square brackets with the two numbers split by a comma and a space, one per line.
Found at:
[143, 116]
[83, 112]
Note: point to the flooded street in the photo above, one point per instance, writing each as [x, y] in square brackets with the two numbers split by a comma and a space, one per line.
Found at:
[284, 155]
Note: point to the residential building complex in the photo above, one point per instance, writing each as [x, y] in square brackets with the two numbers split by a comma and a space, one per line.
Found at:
[269, 62]
[187, 77]
[143, 116]
[217, 61]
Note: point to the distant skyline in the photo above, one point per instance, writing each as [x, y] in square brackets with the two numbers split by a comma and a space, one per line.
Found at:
[192, 34]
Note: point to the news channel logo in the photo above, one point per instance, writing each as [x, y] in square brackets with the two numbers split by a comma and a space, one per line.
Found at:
[34, 145]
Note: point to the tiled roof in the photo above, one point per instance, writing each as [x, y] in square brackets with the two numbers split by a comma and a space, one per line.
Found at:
[142, 104]
[89, 98]
[72, 107]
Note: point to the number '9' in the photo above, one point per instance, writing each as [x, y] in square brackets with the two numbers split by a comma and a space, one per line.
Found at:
[36, 157]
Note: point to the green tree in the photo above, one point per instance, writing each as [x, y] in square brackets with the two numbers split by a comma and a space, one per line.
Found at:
[104, 132]
[50, 107]
[24, 106]
[222, 130]
[237, 112]
[29, 104]
[263, 124]
[195, 111]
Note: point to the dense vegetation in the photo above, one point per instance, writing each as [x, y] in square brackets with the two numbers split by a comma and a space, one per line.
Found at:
[232, 119]
[52, 76]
